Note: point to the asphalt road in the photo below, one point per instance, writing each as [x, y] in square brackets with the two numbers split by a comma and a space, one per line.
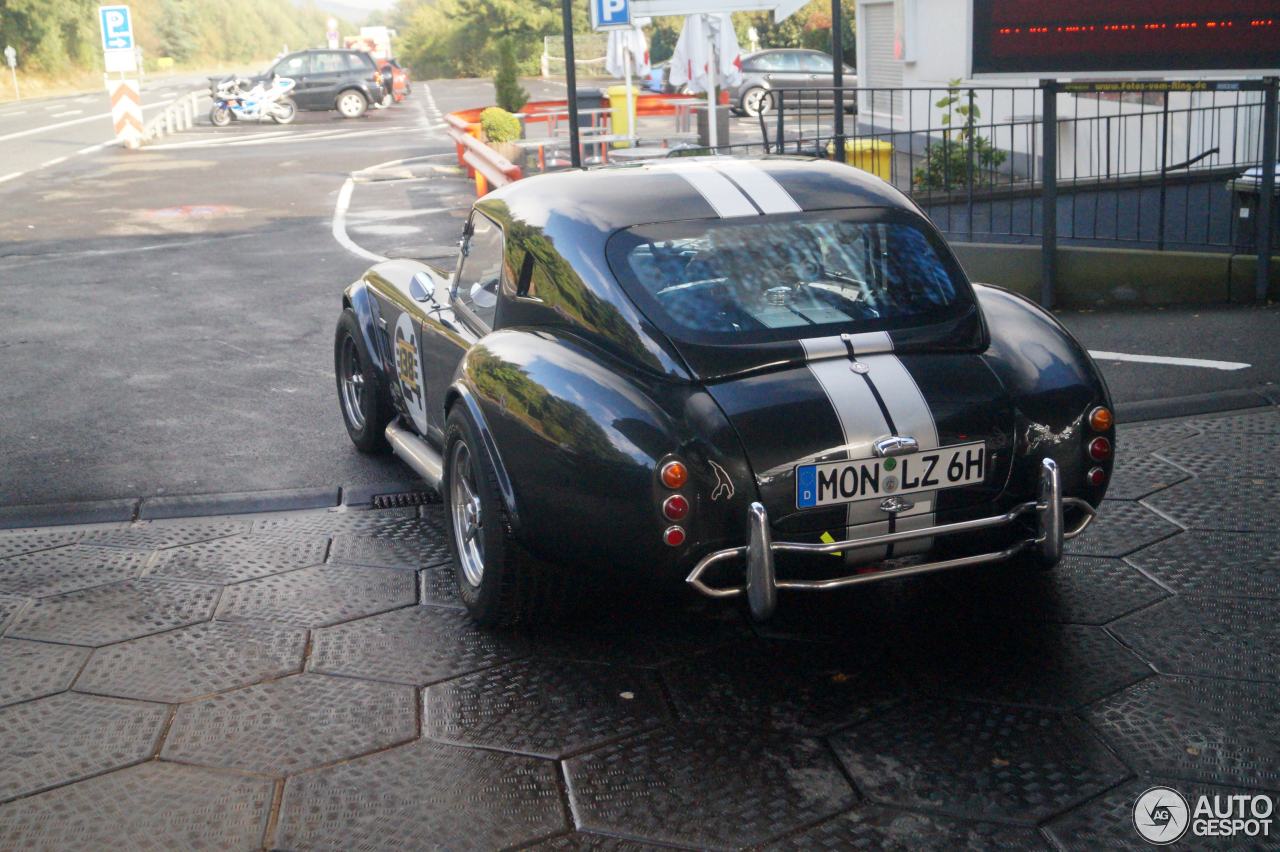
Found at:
[168, 313]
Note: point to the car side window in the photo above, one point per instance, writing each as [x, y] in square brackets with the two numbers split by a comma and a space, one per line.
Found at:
[481, 273]
[788, 62]
[294, 66]
[815, 63]
[767, 62]
[328, 63]
[355, 63]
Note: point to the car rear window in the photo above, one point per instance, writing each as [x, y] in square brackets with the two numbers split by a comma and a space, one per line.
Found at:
[775, 278]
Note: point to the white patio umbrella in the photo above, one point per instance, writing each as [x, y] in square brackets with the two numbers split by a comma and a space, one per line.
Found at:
[706, 55]
[627, 52]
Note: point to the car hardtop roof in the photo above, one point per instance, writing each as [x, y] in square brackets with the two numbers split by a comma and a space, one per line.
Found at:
[608, 198]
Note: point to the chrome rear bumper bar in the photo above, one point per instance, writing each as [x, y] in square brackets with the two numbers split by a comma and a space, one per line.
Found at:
[762, 584]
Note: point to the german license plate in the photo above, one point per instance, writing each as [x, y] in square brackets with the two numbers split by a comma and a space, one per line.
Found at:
[833, 483]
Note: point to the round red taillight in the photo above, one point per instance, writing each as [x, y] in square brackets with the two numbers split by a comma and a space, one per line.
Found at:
[1101, 419]
[675, 507]
[1097, 477]
[1099, 449]
[674, 474]
[673, 536]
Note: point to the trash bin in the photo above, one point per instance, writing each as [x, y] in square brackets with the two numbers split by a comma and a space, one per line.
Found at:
[704, 125]
[622, 121]
[870, 155]
[589, 99]
[1246, 195]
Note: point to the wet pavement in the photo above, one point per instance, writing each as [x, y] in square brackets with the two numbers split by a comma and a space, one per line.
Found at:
[308, 680]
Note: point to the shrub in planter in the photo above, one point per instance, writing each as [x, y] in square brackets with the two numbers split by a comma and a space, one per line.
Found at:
[501, 129]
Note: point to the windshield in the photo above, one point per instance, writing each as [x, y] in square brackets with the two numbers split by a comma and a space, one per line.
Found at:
[758, 279]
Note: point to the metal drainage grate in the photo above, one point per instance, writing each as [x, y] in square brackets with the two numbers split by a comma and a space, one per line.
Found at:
[404, 498]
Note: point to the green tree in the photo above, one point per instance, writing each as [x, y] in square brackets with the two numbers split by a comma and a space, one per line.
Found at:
[511, 96]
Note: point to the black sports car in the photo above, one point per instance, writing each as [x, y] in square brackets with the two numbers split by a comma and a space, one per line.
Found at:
[750, 375]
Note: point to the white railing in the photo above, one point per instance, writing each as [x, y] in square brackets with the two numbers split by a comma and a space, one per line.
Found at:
[177, 116]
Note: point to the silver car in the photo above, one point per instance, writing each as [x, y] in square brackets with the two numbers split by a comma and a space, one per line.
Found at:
[769, 71]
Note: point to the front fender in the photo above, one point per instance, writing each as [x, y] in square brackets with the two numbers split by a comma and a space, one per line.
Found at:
[359, 298]
[580, 437]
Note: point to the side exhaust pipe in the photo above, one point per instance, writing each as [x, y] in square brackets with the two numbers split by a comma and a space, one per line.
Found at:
[417, 453]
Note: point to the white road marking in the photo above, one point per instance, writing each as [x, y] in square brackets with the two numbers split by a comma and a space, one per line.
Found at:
[13, 112]
[11, 176]
[340, 224]
[68, 123]
[1165, 359]
[55, 161]
[67, 113]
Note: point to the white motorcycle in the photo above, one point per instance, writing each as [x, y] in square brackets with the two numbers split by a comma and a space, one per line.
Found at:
[263, 101]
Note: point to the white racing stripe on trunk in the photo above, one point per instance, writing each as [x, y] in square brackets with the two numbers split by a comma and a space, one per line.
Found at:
[767, 193]
[862, 422]
[866, 343]
[725, 198]
[911, 418]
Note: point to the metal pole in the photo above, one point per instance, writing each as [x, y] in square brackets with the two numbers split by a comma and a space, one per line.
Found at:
[1164, 170]
[1049, 197]
[837, 75]
[16, 93]
[571, 81]
[1267, 193]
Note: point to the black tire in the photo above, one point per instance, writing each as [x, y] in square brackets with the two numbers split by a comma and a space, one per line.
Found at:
[515, 587]
[219, 116]
[372, 404]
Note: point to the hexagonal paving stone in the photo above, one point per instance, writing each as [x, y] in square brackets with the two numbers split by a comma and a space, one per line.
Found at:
[67, 569]
[1107, 821]
[151, 535]
[641, 633]
[153, 806]
[1215, 731]
[891, 830]
[1134, 477]
[1240, 565]
[15, 543]
[1240, 505]
[180, 665]
[545, 708]
[1078, 590]
[416, 645]
[1045, 665]
[438, 586]
[1140, 439]
[291, 724]
[977, 761]
[8, 609]
[794, 687]
[364, 521]
[424, 793]
[66, 737]
[318, 596]
[410, 543]
[35, 669]
[706, 787]
[106, 614]
[242, 557]
[1209, 637]
[1121, 527]
[1226, 455]
[597, 842]
[1265, 422]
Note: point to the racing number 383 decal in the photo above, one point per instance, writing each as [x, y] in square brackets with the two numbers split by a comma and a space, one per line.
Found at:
[409, 372]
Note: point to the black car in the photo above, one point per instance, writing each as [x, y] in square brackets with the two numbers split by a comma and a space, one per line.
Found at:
[345, 80]
[749, 375]
[787, 69]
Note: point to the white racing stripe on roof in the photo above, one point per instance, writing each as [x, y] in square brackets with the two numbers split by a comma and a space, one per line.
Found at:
[725, 198]
[767, 193]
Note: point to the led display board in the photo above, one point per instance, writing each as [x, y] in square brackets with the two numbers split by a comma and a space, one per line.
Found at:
[1046, 37]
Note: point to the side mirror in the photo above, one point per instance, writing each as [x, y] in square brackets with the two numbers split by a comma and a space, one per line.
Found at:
[422, 288]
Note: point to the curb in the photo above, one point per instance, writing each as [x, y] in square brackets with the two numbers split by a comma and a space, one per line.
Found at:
[237, 503]
[60, 514]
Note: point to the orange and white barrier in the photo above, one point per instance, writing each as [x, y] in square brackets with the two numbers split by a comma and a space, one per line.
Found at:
[126, 111]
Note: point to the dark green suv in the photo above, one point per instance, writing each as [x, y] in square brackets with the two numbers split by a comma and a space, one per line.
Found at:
[345, 80]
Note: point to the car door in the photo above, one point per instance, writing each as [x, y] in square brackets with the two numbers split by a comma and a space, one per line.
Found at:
[328, 72]
[296, 68]
[468, 312]
[817, 68]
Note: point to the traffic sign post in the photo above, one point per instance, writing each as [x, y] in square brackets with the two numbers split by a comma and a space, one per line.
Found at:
[117, 27]
[11, 57]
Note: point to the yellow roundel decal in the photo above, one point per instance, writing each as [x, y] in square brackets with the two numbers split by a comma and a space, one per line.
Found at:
[409, 372]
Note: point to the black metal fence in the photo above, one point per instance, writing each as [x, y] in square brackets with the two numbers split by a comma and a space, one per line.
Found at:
[1144, 165]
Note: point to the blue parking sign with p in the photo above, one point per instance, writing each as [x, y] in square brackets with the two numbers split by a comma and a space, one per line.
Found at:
[117, 27]
[610, 14]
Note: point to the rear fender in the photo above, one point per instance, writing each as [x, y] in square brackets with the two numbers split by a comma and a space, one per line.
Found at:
[578, 438]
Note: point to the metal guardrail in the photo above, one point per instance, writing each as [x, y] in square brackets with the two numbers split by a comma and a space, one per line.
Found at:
[489, 168]
[177, 116]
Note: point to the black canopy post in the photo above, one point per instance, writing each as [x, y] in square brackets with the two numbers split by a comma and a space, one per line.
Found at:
[837, 75]
[571, 80]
